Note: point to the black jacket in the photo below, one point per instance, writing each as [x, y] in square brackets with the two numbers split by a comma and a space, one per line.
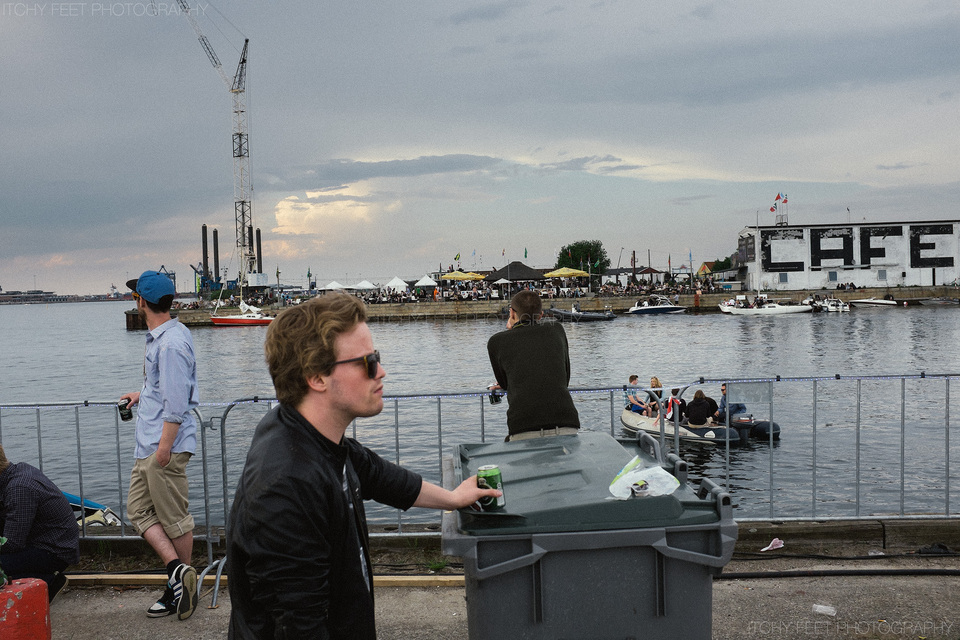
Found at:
[532, 364]
[296, 566]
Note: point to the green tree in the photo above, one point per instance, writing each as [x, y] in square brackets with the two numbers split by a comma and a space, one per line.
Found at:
[721, 265]
[586, 255]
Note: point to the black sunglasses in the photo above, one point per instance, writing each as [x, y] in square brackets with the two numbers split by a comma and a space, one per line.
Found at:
[371, 361]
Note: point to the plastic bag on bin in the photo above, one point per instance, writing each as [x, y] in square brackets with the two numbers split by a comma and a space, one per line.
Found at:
[635, 480]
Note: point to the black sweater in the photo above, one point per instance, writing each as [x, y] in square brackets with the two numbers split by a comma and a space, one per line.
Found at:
[532, 364]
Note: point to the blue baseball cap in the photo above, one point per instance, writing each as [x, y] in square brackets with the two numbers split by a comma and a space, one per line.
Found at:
[152, 285]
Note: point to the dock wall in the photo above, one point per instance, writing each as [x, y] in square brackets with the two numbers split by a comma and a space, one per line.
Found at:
[471, 310]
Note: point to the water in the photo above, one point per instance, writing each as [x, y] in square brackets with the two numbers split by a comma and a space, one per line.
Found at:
[77, 352]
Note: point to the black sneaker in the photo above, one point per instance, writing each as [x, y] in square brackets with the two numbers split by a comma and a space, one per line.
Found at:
[184, 583]
[58, 582]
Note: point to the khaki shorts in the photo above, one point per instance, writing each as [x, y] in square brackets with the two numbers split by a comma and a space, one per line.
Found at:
[159, 495]
[543, 433]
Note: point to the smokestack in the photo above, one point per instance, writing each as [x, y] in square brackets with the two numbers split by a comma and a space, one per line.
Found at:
[206, 261]
[216, 257]
[250, 242]
[259, 253]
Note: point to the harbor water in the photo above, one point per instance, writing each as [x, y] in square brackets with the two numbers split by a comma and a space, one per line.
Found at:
[81, 352]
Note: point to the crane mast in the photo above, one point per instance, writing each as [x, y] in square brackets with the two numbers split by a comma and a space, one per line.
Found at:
[242, 179]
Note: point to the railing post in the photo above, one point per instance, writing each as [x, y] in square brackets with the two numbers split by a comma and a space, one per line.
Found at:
[946, 436]
[857, 452]
[813, 453]
[903, 441]
[39, 442]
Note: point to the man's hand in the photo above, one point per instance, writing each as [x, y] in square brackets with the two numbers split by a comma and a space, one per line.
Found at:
[434, 497]
[133, 397]
[163, 457]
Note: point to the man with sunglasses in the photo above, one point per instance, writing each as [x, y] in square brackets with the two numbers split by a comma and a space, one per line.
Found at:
[298, 548]
[166, 435]
[531, 362]
[735, 408]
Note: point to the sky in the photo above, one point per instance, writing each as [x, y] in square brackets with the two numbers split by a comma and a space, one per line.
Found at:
[388, 137]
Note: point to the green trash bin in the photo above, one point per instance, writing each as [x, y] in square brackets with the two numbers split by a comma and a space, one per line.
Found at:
[563, 559]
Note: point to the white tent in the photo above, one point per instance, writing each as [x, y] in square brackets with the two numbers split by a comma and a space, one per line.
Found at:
[332, 286]
[365, 285]
[425, 281]
[396, 284]
[502, 281]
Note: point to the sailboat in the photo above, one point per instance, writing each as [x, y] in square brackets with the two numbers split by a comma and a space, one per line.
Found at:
[248, 316]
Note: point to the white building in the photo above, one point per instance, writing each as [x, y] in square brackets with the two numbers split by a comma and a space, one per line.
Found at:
[868, 255]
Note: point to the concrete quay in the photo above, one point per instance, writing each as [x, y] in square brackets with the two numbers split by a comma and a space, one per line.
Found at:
[471, 310]
[860, 579]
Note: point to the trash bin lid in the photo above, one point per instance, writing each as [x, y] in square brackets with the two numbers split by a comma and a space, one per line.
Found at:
[562, 483]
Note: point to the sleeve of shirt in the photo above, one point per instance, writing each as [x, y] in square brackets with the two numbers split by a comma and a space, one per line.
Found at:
[21, 507]
[175, 374]
[383, 481]
[498, 373]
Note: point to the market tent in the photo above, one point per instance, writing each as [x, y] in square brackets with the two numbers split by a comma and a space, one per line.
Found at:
[566, 272]
[332, 286]
[365, 285]
[514, 272]
[502, 281]
[425, 281]
[397, 285]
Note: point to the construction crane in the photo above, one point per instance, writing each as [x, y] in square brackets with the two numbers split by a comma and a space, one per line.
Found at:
[242, 184]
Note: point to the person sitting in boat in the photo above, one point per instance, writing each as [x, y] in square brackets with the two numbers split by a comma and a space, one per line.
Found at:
[39, 525]
[699, 410]
[675, 406]
[735, 408]
[653, 407]
[631, 399]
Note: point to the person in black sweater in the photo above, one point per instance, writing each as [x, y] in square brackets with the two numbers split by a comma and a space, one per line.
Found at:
[531, 362]
[699, 410]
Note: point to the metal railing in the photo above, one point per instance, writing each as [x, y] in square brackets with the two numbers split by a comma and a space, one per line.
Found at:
[851, 447]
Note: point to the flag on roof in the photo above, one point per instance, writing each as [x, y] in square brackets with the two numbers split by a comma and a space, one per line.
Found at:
[777, 198]
[458, 256]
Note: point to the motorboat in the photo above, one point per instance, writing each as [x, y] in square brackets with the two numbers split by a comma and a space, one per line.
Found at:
[575, 315]
[830, 304]
[886, 301]
[655, 304]
[634, 423]
[770, 309]
[747, 427]
[248, 316]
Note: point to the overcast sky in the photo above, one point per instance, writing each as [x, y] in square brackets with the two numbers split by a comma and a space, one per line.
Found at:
[387, 137]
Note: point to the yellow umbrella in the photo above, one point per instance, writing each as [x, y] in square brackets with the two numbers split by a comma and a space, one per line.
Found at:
[474, 276]
[566, 272]
[458, 275]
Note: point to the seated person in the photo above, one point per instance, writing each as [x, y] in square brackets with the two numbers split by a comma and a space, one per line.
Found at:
[631, 399]
[653, 408]
[675, 406]
[735, 408]
[38, 523]
[699, 411]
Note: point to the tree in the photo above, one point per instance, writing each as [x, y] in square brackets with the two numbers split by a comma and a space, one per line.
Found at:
[721, 265]
[586, 255]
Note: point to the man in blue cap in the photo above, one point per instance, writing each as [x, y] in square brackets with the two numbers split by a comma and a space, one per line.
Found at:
[166, 436]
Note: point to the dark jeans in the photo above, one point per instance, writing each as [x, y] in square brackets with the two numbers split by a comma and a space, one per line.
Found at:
[31, 563]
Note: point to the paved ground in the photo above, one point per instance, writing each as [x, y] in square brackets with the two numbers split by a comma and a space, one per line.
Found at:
[872, 607]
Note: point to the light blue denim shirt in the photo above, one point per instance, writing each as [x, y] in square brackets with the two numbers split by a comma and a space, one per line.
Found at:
[169, 389]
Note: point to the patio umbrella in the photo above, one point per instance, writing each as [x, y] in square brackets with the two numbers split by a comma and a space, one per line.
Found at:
[515, 271]
[458, 275]
[566, 272]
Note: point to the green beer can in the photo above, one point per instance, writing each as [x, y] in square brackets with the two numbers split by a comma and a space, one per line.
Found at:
[488, 477]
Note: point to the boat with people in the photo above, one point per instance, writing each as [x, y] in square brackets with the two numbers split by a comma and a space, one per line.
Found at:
[576, 315]
[654, 305]
[634, 423]
[832, 305]
[764, 307]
